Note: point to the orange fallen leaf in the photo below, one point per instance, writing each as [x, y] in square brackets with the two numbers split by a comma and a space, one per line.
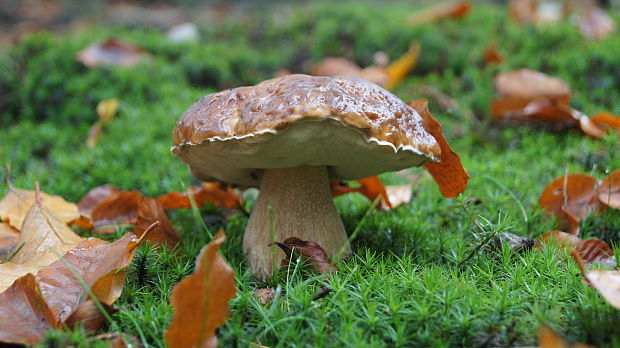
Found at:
[200, 301]
[310, 251]
[606, 283]
[549, 339]
[149, 211]
[591, 250]
[25, 316]
[398, 69]
[448, 173]
[608, 191]
[491, 54]
[220, 194]
[17, 202]
[529, 84]
[450, 9]
[8, 239]
[606, 121]
[94, 197]
[111, 51]
[371, 187]
[571, 198]
[595, 23]
[336, 66]
[120, 208]
[88, 316]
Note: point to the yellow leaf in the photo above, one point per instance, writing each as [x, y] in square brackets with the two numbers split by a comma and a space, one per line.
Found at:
[401, 67]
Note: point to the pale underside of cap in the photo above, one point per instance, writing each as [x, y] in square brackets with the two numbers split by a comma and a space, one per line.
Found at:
[355, 128]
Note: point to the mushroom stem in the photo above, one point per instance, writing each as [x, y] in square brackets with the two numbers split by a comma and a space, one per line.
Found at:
[293, 202]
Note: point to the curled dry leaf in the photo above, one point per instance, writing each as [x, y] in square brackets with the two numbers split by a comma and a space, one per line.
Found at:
[595, 24]
[449, 9]
[8, 239]
[310, 251]
[17, 202]
[592, 250]
[25, 316]
[371, 187]
[149, 211]
[571, 198]
[200, 301]
[94, 197]
[106, 110]
[119, 208]
[111, 51]
[220, 194]
[609, 190]
[398, 69]
[448, 173]
[264, 295]
[607, 283]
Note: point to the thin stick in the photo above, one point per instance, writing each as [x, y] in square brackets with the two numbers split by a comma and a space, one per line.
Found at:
[144, 235]
[478, 247]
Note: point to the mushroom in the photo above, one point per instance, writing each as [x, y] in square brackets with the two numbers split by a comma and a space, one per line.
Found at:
[289, 136]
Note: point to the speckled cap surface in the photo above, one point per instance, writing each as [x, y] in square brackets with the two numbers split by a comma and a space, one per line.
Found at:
[354, 127]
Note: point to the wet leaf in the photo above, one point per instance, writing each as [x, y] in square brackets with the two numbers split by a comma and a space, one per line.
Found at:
[607, 283]
[17, 202]
[448, 173]
[25, 316]
[491, 54]
[595, 24]
[311, 252]
[89, 316]
[119, 208]
[8, 240]
[399, 69]
[94, 197]
[200, 301]
[571, 198]
[449, 9]
[149, 211]
[591, 250]
[111, 51]
[609, 190]
[371, 187]
[220, 194]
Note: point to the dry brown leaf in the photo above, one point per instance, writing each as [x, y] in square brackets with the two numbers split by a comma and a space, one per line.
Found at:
[8, 239]
[111, 51]
[606, 121]
[448, 173]
[596, 24]
[608, 191]
[530, 84]
[17, 202]
[264, 295]
[398, 69]
[549, 339]
[149, 211]
[120, 208]
[310, 251]
[220, 194]
[94, 197]
[44, 237]
[491, 54]
[89, 316]
[371, 187]
[571, 198]
[25, 316]
[591, 250]
[200, 301]
[607, 283]
[450, 9]
[106, 110]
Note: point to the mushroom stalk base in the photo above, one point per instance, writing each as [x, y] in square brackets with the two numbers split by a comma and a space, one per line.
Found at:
[293, 202]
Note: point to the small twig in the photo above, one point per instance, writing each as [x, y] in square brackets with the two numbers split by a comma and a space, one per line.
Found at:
[145, 234]
[322, 293]
[478, 247]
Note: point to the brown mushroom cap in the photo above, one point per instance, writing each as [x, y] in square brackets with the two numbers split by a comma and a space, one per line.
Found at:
[355, 128]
